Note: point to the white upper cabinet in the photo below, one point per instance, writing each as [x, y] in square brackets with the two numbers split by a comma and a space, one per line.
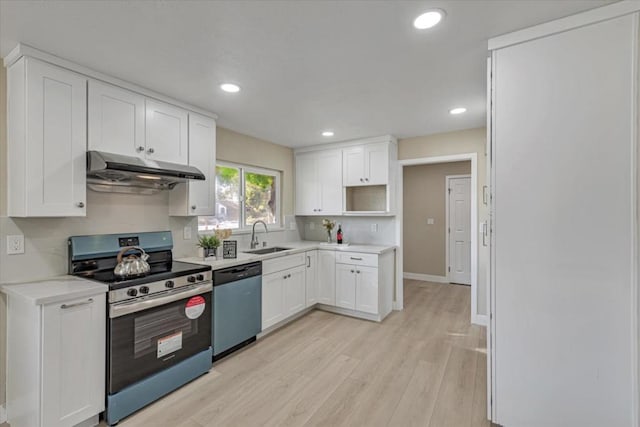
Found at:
[116, 120]
[166, 132]
[366, 165]
[198, 197]
[128, 123]
[47, 139]
[319, 183]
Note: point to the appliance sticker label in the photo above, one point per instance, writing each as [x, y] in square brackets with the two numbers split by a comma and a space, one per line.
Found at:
[169, 344]
[195, 307]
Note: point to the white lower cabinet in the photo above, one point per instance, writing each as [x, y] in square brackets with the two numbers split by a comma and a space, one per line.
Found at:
[364, 284]
[56, 362]
[283, 291]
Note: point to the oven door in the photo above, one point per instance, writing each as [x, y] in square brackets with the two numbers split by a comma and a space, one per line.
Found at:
[151, 334]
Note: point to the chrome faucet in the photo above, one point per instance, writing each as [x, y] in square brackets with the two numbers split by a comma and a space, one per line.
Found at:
[254, 238]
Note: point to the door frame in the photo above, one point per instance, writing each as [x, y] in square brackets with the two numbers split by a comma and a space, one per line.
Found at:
[447, 258]
[398, 304]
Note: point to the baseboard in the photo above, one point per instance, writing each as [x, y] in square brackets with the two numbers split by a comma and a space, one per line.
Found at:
[425, 277]
[3, 414]
[480, 319]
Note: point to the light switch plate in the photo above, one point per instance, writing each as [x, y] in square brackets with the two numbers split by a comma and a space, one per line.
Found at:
[186, 233]
[430, 221]
[15, 244]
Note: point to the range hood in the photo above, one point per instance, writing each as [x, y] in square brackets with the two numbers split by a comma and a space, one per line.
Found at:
[108, 172]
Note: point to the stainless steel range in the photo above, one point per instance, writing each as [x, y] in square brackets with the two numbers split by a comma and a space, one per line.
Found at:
[160, 315]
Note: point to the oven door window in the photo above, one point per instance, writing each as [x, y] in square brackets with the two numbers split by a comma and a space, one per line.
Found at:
[148, 341]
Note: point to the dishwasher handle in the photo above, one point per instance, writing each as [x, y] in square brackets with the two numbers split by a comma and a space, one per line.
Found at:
[240, 272]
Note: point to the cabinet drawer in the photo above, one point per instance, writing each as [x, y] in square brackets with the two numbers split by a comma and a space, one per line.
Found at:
[357, 258]
[283, 263]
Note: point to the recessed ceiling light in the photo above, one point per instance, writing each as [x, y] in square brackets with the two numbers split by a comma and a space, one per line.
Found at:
[327, 133]
[457, 110]
[429, 19]
[230, 87]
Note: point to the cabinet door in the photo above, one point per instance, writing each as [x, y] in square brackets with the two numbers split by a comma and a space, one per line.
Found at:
[73, 360]
[56, 132]
[326, 277]
[367, 289]
[166, 132]
[310, 278]
[307, 199]
[329, 177]
[294, 290]
[116, 120]
[376, 164]
[198, 197]
[272, 299]
[353, 166]
[346, 286]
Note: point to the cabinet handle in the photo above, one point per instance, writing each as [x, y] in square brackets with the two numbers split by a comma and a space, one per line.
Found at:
[193, 207]
[80, 204]
[289, 275]
[366, 179]
[284, 277]
[140, 149]
[65, 306]
[361, 180]
[352, 271]
[151, 151]
[308, 261]
[356, 259]
[358, 271]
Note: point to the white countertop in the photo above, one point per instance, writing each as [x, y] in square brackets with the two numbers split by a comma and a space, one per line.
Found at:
[58, 289]
[295, 247]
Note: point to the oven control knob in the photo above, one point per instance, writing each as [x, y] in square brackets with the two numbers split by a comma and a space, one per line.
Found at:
[132, 292]
[169, 284]
[200, 277]
[191, 279]
[144, 289]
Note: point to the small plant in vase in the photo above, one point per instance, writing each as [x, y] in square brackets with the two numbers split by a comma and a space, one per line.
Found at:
[328, 225]
[209, 245]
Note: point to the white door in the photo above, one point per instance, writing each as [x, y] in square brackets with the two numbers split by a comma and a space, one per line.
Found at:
[294, 290]
[73, 349]
[56, 141]
[166, 133]
[116, 120]
[326, 277]
[346, 286]
[307, 188]
[202, 155]
[367, 289]
[459, 229]
[272, 299]
[310, 278]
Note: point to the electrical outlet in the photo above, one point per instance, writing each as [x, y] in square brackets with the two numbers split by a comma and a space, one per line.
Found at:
[312, 226]
[186, 233]
[15, 244]
[374, 228]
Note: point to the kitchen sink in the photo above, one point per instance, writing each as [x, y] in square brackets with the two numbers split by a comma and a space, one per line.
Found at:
[271, 250]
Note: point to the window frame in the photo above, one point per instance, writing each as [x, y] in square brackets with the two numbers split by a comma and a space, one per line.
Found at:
[243, 227]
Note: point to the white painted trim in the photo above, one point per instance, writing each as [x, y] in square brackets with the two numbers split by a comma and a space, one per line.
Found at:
[474, 222]
[349, 143]
[488, 159]
[592, 16]
[491, 345]
[425, 277]
[481, 319]
[447, 207]
[3, 414]
[25, 50]
[635, 241]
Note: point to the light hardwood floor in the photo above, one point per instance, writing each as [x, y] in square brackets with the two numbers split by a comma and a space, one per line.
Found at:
[424, 366]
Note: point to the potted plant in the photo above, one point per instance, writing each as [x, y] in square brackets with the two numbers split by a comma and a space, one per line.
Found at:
[209, 245]
[328, 225]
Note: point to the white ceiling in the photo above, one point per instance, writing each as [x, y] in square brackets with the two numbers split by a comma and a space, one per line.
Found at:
[356, 67]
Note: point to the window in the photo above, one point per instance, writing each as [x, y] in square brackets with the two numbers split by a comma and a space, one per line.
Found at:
[244, 195]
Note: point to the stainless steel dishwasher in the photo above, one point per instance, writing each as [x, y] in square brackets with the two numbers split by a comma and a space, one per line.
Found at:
[237, 307]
